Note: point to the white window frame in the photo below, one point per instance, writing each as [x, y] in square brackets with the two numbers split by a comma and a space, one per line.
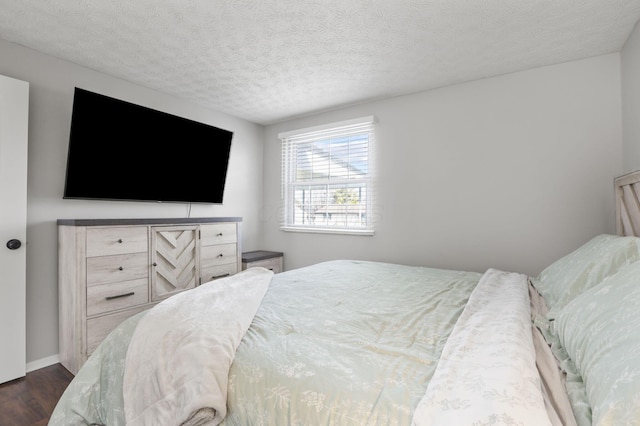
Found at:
[291, 141]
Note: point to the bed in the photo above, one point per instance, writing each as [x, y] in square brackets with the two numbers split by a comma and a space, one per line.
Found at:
[350, 342]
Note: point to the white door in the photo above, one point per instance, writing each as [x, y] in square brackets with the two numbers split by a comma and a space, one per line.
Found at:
[14, 112]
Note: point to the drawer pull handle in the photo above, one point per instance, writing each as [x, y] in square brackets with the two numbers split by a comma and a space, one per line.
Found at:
[219, 235]
[120, 295]
[215, 277]
[120, 268]
[221, 255]
[154, 264]
[120, 240]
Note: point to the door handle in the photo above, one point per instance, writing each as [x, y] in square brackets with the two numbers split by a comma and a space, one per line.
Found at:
[13, 244]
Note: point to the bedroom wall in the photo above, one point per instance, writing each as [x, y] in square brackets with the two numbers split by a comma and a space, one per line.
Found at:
[630, 70]
[51, 95]
[508, 172]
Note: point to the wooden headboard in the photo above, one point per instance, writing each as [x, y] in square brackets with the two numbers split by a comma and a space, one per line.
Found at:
[627, 189]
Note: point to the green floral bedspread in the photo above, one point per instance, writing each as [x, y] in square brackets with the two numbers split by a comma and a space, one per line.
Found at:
[339, 342]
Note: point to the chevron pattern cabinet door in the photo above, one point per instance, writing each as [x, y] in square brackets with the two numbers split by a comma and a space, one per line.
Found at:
[175, 257]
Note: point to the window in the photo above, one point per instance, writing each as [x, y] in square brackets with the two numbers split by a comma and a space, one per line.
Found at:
[327, 178]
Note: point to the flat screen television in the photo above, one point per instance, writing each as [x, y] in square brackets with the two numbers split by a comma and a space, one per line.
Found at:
[122, 151]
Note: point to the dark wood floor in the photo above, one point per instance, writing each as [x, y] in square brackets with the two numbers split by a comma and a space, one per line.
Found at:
[29, 401]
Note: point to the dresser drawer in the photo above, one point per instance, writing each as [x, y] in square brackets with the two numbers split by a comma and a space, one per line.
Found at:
[217, 255]
[99, 328]
[110, 297]
[116, 240]
[109, 269]
[273, 264]
[219, 233]
[216, 272]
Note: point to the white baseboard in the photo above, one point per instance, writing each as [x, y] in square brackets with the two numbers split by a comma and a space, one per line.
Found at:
[43, 362]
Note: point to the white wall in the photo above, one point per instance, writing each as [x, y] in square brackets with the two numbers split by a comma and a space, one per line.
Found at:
[51, 96]
[630, 60]
[508, 172]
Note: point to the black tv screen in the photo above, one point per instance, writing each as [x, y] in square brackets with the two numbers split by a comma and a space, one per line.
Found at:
[122, 151]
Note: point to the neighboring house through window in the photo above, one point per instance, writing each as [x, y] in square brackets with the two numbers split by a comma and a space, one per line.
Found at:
[327, 178]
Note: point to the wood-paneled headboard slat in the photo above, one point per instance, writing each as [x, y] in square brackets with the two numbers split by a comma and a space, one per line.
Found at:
[631, 207]
[627, 193]
[626, 222]
[636, 190]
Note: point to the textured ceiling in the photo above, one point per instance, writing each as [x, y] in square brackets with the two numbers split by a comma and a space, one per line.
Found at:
[269, 60]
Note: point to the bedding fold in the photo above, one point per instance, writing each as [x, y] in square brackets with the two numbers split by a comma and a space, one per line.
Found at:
[178, 360]
[487, 372]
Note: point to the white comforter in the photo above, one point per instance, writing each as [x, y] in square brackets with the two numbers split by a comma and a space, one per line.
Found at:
[487, 372]
[178, 361]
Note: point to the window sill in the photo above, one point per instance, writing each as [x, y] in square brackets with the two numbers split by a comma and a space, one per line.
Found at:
[363, 232]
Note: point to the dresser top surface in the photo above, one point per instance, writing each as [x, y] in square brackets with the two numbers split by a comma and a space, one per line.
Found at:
[152, 221]
[253, 256]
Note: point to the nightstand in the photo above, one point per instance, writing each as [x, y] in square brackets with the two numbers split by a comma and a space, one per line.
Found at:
[272, 260]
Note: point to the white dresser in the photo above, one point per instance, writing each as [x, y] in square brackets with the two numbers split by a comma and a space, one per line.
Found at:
[111, 269]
